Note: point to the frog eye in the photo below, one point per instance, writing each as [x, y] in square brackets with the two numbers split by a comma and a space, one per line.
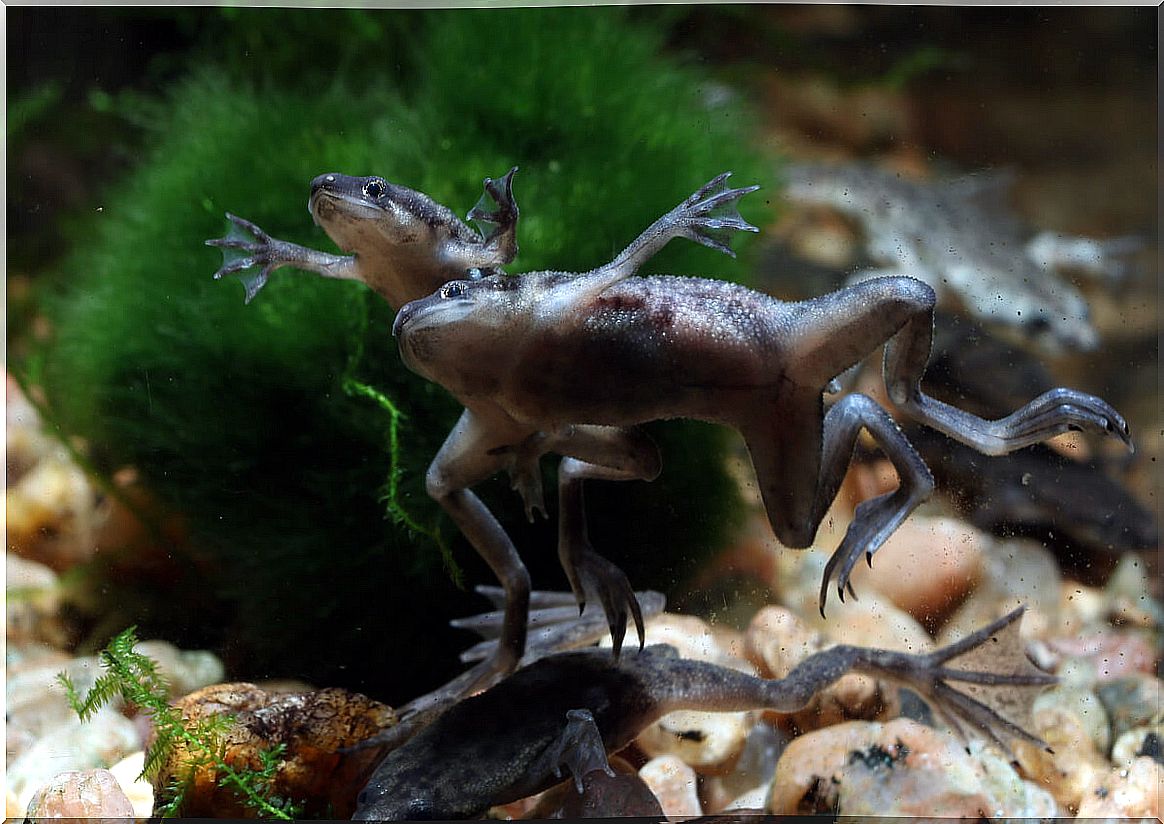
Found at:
[374, 189]
[453, 289]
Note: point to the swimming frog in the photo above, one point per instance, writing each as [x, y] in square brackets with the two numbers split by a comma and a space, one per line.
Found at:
[403, 245]
[959, 237]
[565, 712]
[535, 358]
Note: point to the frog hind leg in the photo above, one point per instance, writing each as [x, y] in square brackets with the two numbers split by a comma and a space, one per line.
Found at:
[820, 450]
[463, 460]
[825, 336]
[982, 684]
[600, 453]
[498, 225]
[1051, 413]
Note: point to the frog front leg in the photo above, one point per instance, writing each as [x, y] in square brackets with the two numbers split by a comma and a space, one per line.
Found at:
[249, 247]
[708, 217]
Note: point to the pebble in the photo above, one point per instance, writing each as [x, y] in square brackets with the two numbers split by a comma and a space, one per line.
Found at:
[674, 784]
[1128, 591]
[1085, 709]
[137, 789]
[872, 621]
[312, 726]
[752, 800]
[1134, 792]
[1110, 653]
[35, 701]
[184, 670]
[1139, 742]
[1081, 607]
[753, 769]
[1132, 701]
[31, 603]
[927, 567]
[691, 636]
[1069, 719]
[1017, 572]
[710, 742]
[901, 768]
[81, 794]
[52, 513]
[12, 808]
[105, 739]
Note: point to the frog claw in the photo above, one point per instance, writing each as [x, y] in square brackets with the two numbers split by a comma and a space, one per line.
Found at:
[874, 521]
[591, 574]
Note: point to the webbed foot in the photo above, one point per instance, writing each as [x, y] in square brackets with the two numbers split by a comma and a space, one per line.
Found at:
[996, 683]
[591, 574]
[554, 623]
[498, 225]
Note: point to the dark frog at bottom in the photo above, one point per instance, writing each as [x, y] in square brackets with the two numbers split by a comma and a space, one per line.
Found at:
[560, 716]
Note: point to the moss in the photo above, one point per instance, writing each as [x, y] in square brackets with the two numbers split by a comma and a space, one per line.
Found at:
[238, 415]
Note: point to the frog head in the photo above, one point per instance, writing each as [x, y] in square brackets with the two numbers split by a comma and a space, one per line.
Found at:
[455, 335]
[404, 242]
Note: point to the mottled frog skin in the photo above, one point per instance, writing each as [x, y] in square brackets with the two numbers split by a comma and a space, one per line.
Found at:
[567, 711]
[959, 237]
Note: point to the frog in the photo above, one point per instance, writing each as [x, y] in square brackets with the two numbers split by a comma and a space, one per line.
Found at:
[959, 236]
[562, 715]
[403, 244]
[535, 357]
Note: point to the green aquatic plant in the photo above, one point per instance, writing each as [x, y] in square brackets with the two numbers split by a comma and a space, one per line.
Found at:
[134, 678]
[287, 432]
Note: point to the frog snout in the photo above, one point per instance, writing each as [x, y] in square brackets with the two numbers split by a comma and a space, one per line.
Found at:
[402, 317]
[324, 181]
